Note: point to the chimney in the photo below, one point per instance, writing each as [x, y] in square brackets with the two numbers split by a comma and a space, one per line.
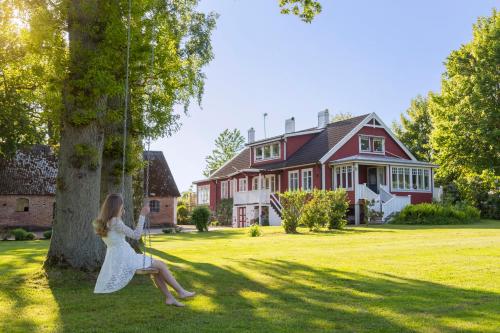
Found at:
[251, 135]
[323, 118]
[290, 125]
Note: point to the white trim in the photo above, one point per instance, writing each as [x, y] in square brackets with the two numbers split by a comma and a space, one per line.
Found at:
[323, 177]
[302, 171]
[384, 163]
[270, 145]
[411, 189]
[295, 172]
[356, 129]
[304, 132]
[293, 167]
[334, 175]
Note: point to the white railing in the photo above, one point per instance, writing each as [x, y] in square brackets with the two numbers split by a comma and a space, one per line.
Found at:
[364, 192]
[396, 204]
[385, 195]
[251, 197]
[437, 193]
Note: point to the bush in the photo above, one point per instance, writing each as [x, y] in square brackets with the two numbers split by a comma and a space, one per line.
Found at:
[47, 234]
[338, 204]
[225, 212]
[434, 214]
[168, 230]
[315, 213]
[182, 214]
[254, 231]
[293, 203]
[4, 233]
[481, 191]
[200, 217]
[21, 234]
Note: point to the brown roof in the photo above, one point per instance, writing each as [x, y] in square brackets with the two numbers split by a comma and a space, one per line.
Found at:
[161, 181]
[31, 171]
[239, 162]
[317, 147]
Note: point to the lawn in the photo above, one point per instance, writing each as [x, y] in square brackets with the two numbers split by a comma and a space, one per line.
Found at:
[366, 279]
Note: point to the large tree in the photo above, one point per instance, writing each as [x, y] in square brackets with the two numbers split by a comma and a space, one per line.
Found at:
[465, 113]
[415, 128]
[227, 145]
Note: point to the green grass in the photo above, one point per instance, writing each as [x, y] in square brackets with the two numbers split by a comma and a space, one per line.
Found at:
[368, 279]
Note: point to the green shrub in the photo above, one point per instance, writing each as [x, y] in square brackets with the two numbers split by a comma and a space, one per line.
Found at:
[338, 204]
[293, 203]
[168, 230]
[254, 231]
[182, 214]
[481, 191]
[5, 233]
[315, 213]
[47, 234]
[21, 234]
[200, 217]
[433, 214]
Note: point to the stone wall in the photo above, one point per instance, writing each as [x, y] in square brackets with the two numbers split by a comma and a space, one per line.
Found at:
[38, 217]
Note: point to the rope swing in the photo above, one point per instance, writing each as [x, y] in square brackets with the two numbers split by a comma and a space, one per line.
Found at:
[147, 237]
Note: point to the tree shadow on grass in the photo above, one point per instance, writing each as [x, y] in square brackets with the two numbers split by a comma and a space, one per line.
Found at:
[264, 296]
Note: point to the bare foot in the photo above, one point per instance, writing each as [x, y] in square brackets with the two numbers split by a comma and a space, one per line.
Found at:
[186, 294]
[174, 302]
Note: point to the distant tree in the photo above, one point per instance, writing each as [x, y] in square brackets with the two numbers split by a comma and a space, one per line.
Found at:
[465, 113]
[341, 116]
[415, 128]
[305, 9]
[227, 144]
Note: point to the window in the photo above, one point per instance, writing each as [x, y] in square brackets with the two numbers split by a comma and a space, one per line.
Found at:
[307, 180]
[270, 183]
[255, 183]
[371, 144]
[293, 180]
[224, 189]
[364, 143]
[242, 184]
[267, 152]
[378, 145]
[344, 176]
[419, 180]
[154, 206]
[22, 205]
[204, 195]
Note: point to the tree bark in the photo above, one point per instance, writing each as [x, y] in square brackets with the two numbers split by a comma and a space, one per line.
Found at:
[74, 242]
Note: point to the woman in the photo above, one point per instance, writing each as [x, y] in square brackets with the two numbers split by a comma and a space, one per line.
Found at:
[121, 261]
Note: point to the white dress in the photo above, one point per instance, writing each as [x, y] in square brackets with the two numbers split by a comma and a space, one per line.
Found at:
[121, 260]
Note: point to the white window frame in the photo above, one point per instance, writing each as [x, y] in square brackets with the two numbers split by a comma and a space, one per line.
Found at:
[203, 195]
[422, 174]
[269, 183]
[343, 170]
[255, 181]
[224, 189]
[296, 177]
[310, 181]
[371, 145]
[242, 184]
[261, 157]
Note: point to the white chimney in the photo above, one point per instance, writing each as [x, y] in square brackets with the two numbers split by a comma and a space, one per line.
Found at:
[290, 125]
[251, 135]
[323, 118]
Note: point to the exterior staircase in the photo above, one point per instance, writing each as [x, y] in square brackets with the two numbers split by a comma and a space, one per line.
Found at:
[275, 204]
[385, 202]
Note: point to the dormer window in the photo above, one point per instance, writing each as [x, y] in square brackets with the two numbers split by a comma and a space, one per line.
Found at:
[267, 152]
[371, 144]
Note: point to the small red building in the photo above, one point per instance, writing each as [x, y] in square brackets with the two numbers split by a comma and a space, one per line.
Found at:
[360, 154]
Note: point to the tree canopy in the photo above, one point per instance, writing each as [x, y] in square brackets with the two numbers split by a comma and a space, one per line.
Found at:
[227, 145]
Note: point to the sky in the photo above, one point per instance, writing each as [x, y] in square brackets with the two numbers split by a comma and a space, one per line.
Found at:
[356, 56]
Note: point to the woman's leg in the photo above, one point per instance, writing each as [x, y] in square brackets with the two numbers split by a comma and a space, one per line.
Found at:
[169, 278]
[160, 283]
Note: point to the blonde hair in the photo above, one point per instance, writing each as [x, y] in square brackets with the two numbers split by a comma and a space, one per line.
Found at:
[110, 208]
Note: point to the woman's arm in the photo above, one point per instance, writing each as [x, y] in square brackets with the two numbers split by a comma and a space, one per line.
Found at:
[134, 234]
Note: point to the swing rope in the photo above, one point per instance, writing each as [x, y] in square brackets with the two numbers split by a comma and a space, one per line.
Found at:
[147, 240]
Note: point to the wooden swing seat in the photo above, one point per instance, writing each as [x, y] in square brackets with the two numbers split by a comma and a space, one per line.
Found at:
[146, 271]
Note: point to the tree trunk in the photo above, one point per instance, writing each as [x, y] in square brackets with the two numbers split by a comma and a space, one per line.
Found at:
[74, 242]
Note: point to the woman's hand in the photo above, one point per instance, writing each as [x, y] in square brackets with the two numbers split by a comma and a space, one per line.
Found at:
[145, 209]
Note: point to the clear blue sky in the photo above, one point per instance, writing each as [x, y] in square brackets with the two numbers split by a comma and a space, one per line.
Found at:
[356, 56]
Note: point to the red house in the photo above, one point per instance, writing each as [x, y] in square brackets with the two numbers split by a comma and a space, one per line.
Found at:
[360, 154]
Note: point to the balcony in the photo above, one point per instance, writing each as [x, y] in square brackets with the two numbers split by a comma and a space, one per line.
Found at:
[252, 197]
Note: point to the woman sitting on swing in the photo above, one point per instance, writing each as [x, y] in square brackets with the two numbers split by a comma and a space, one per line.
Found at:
[121, 261]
